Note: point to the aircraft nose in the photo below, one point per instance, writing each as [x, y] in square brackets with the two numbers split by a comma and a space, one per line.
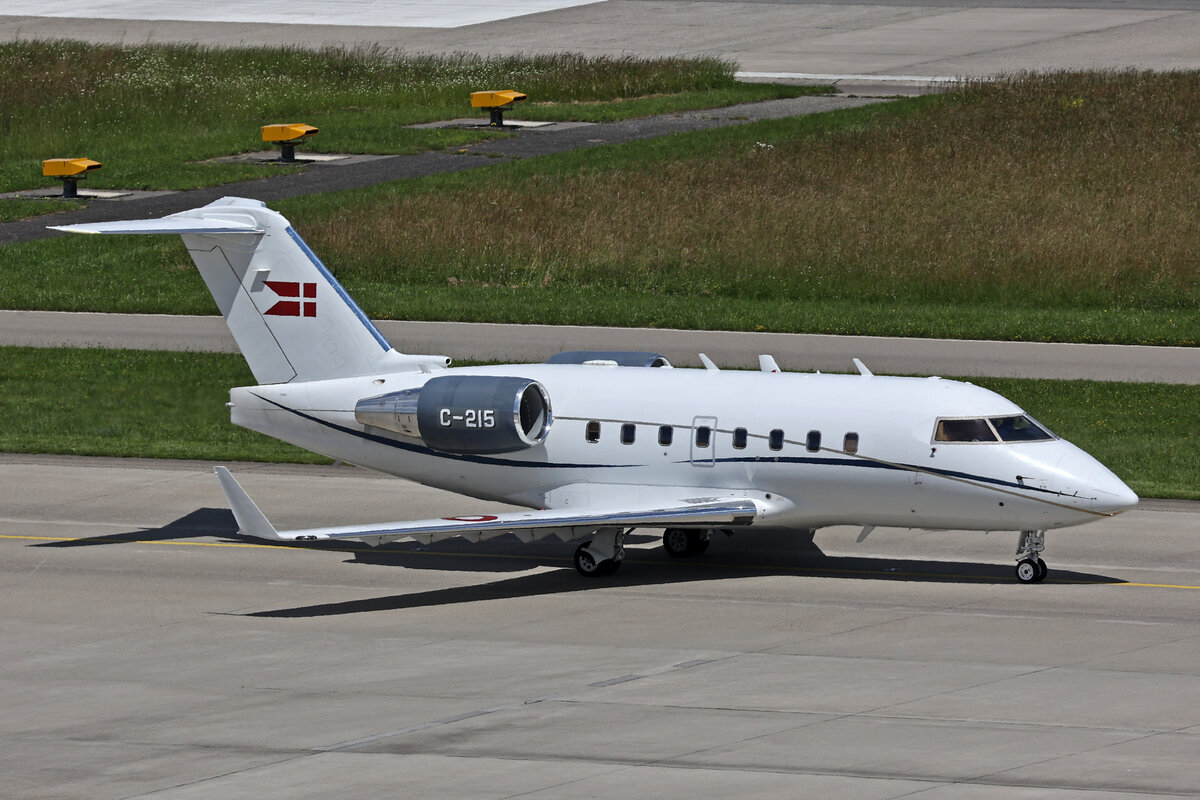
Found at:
[1112, 495]
[1093, 485]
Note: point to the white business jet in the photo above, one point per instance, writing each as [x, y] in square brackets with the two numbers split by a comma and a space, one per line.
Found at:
[597, 444]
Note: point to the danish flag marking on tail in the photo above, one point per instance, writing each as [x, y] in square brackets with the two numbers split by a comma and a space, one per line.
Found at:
[293, 308]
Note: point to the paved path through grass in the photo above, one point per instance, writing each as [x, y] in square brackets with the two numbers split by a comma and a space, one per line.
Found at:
[526, 343]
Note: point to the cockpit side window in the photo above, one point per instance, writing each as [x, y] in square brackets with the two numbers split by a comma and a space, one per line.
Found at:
[964, 430]
[1020, 429]
[1017, 428]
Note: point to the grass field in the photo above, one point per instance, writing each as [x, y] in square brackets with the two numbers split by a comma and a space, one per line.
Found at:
[172, 405]
[153, 113]
[1055, 208]
[1073, 194]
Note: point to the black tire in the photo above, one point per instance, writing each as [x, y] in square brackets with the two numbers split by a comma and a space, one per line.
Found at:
[1028, 571]
[699, 540]
[610, 566]
[1043, 570]
[586, 563]
[677, 542]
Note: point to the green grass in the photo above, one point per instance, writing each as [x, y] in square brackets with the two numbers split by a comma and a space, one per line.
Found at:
[11, 210]
[1068, 195]
[129, 403]
[1045, 208]
[172, 405]
[153, 113]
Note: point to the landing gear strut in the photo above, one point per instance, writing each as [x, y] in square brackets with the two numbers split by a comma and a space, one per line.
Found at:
[685, 542]
[602, 555]
[1030, 567]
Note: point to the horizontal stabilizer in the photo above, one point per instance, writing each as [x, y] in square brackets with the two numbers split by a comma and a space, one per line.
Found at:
[171, 224]
[290, 317]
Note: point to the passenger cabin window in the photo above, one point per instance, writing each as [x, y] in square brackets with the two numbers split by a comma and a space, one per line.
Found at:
[665, 435]
[775, 440]
[1019, 428]
[739, 438]
[628, 432]
[703, 436]
[813, 441]
[592, 433]
[850, 443]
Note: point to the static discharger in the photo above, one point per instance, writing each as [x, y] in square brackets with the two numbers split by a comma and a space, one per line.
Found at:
[70, 171]
[286, 137]
[496, 102]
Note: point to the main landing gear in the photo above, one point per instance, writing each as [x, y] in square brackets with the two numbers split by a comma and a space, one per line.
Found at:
[685, 542]
[602, 555]
[1030, 567]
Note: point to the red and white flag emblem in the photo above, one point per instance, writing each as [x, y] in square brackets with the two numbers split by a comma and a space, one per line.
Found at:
[293, 308]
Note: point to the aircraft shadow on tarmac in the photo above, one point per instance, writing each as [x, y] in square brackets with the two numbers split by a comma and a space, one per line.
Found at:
[760, 553]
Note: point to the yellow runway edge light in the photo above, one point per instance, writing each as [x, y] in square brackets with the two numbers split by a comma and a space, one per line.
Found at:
[287, 133]
[70, 171]
[496, 102]
[66, 167]
[286, 136]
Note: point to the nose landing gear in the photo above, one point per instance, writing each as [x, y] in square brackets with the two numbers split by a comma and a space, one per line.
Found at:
[1030, 567]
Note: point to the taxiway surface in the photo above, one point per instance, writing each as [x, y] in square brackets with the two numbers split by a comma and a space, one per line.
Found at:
[531, 343]
[148, 652]
[915, 38]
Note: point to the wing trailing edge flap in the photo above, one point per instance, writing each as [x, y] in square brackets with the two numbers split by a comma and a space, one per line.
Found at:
[703, 507]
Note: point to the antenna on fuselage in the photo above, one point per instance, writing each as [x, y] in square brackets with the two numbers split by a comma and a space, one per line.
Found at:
[767, 364]
[708, 363]
[862, 369]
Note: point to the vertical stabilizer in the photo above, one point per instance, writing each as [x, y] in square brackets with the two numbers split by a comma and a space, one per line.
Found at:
[291, 319]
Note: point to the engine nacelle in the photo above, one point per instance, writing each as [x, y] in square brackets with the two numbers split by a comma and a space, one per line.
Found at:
[465, 414]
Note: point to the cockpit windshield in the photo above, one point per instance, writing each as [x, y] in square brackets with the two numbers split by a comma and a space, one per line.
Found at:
[1019, 428]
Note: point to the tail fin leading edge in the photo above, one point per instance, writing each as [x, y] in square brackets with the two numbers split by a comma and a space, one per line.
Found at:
[291, 319]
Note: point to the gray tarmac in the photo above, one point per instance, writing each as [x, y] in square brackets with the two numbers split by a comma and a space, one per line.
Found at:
[895, 37]
[528, 343]
[150, 653]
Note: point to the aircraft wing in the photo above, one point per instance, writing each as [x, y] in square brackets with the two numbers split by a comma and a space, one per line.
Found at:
[174, 223]
[566, 523]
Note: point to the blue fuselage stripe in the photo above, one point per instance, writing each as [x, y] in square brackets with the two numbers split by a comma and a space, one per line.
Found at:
[508, 462]
[425, 451]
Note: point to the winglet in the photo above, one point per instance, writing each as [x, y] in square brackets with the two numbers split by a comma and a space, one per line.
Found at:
[251, 521]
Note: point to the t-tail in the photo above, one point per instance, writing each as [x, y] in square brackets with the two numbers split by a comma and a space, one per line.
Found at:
[291, 319]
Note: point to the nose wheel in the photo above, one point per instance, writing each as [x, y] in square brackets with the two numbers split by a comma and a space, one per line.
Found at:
[1030, 567]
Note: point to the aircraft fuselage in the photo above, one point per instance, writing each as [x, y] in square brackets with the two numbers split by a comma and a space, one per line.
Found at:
[830, 449]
